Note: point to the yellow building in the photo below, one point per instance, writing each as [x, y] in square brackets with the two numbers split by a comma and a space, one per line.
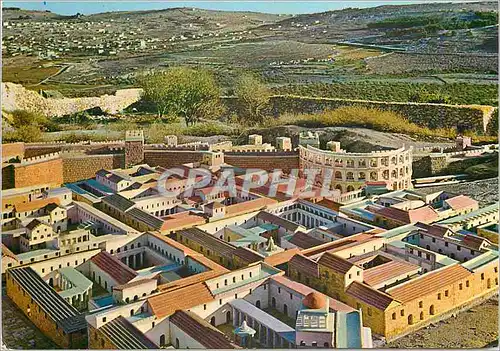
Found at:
[405, 306]
[50, 313]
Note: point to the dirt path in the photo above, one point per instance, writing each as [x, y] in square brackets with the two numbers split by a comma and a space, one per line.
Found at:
[475, 328]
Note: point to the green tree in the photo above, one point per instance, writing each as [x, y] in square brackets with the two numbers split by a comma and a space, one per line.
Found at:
[253, 96]
[183, 92]
[28, 125]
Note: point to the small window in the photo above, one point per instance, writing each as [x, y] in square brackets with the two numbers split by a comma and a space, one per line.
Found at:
[446, 243]
[103, 319]
[420, 304]
[439, 296]
[446, 293]
[394, 315]
[466, 283]
[460, 286]
[402, 313]
[482, 276]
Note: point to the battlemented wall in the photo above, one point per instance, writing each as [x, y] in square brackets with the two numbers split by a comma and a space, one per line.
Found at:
[79, 167]
[47, 169]
[171, 158]
[15, 96]
[473, 117]
[12, 150]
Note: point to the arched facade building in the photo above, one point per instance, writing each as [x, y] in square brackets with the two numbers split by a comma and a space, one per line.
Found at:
[350, 171]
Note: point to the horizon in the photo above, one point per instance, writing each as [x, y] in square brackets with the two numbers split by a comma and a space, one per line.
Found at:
[276, 7]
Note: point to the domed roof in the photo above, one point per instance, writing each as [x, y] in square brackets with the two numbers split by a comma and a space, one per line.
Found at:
[314, 301]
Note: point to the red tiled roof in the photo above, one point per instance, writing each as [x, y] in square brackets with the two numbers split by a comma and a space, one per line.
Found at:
[338, 264]
[474, 241]
[429, 283]
[461, 201]
[369, 295]
[425, 214]
[339, 244]
[166, 303]
[393, 269]
[281, 257]
[108, 263]
[201, 331]
[305, 265]
[304, 241]
[433, 230]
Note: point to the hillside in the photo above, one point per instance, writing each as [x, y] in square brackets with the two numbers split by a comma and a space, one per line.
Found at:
[81, 55]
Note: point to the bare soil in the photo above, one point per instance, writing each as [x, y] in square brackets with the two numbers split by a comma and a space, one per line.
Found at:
[474, 328]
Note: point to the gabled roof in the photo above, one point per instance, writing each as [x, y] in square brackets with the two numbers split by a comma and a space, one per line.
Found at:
[429, 283]
[474, 241]
[281, 257]
[125, 336]
[35, 204]
[118, 201]
[119, 271]
[304, 241]
[334, 262]
[384, 272]
[305, 265]
[434, 230]
[201, 331]
[146, 218]
[60, 311]
[215, 204]
[34, 223]
[370, 296]
[461, 201]
[425, 214]
[269, 217]
[247, 255]
[165, 304]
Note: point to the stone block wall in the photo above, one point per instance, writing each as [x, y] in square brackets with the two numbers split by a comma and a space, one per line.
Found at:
[264, 160]
[48, 171]
[171, 158]
[15, 96]
[79, 167]
[12, 150]
[474, 117]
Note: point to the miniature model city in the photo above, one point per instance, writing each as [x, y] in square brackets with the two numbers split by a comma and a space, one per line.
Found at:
[98, 254]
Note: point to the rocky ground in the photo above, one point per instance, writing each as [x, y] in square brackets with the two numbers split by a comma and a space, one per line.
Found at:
[18, 332]
[474, 328]
[484, 191]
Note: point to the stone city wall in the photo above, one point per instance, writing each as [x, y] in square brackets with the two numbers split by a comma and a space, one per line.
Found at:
[268, 161]
[79, 167]
[15, 96]
[472, 117]
[171, 158]
[12, 150]
[46, 170]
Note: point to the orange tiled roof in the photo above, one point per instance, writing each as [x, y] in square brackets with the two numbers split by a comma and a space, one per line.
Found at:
[181, 220]
[338, 264]
[379, 274]
[249, 206]
[425, 214]
[166, 303]
[36, 204]
[429, 283]
[370, 296]
[281, 257]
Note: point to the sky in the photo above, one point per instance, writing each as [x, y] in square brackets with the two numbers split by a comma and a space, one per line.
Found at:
[279, 6]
